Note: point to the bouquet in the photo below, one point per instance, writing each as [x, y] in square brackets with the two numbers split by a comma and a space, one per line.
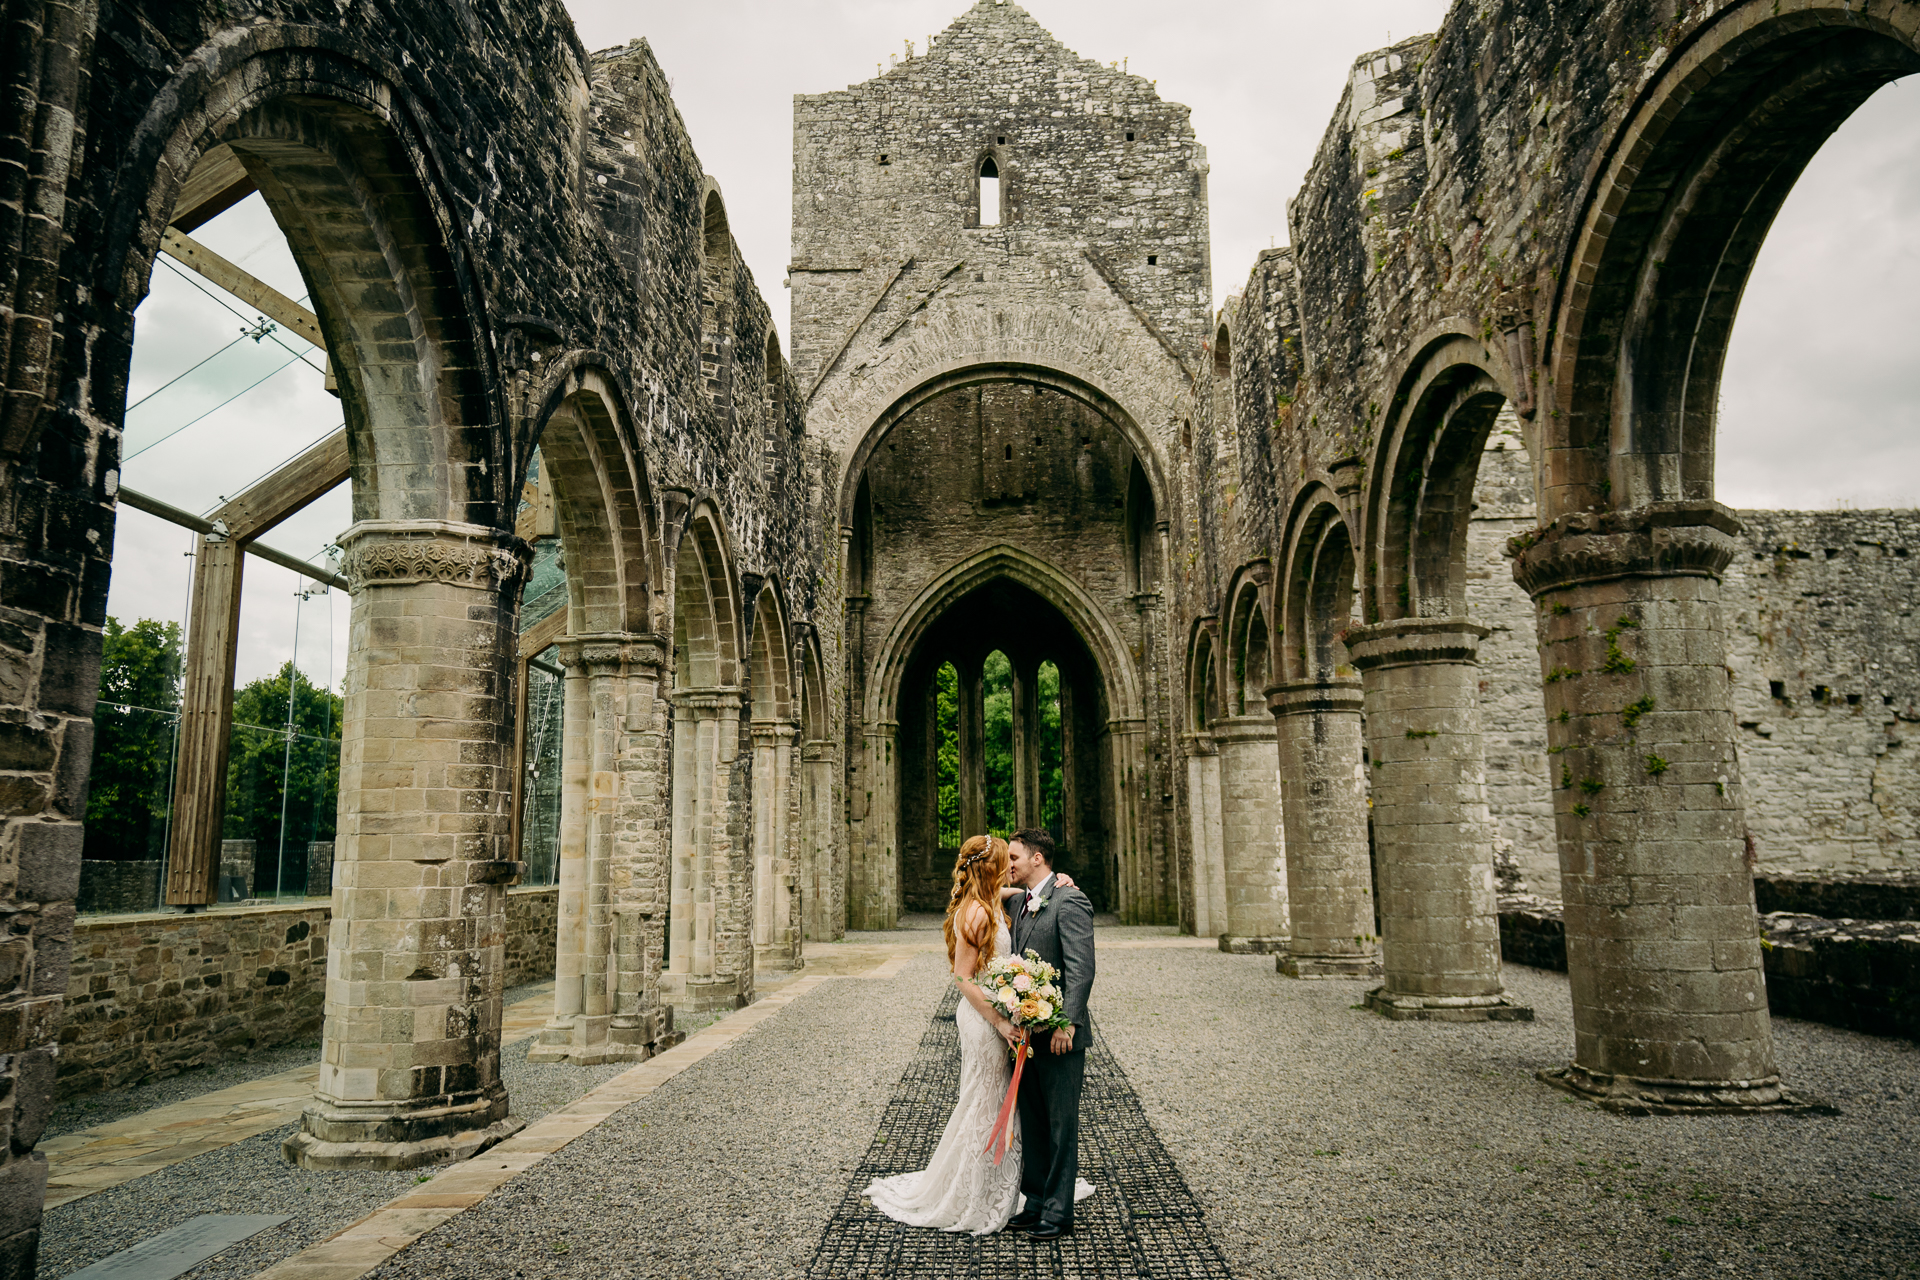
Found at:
[1027, 990]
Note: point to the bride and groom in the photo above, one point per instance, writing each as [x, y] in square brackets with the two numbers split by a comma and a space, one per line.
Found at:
[1006, 900]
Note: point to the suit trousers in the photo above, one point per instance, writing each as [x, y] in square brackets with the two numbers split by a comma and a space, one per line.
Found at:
[1050, 1128]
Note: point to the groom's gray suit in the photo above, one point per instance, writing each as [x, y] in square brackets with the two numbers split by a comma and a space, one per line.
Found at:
[1061, 933]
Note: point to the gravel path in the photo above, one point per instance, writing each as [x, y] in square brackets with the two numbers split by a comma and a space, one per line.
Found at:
[729, 1169]
[1325, 1142]
[1329, 1142]
[253, 1177]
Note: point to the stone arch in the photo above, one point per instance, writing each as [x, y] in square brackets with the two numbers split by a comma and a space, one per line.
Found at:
[328, 137]
[604, 500]
[972, 375]
[709, 962]
[327, 132]
[776, 906]
[1679, 203]
[717, 311]
[707, 609]
[1421, 477]
[1079, 352]
[1203, 678]
[1108, 648]
[1249, 640]
[1317, 588]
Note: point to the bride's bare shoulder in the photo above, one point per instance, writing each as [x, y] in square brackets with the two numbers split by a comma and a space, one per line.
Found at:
[971, 915]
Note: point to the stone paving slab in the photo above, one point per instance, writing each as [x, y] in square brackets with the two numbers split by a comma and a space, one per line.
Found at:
[91, 1160]
[181, 1249]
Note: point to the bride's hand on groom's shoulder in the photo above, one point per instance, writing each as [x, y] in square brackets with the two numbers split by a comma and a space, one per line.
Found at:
[1064, 880]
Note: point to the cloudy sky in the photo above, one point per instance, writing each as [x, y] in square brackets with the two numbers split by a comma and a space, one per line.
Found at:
[1821, 353]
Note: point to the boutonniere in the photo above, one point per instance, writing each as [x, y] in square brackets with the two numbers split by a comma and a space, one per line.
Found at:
[1039, 905]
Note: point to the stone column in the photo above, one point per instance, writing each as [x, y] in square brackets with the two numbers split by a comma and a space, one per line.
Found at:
[1663, 948]
[595, 746]
[1203, 813]
[706, 727]
[1432, 836]
[971, 707]
[1323, 804]
[775, 942]
[1026, 741]
[1254, 860]
[816, 841]
[410, 1063]
[641, 1023]
[873, 891]
[1140, 895]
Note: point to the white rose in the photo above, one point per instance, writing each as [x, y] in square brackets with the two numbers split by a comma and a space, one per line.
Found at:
[1043, 1011]
[1009, 999]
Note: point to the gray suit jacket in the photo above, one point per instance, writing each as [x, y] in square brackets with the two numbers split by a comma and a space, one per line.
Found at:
[1061, 933]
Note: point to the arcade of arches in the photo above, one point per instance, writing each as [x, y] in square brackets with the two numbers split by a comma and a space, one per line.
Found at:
[1307, 625]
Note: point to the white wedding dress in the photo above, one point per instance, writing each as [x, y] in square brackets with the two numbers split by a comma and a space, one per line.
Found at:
[962, 1189]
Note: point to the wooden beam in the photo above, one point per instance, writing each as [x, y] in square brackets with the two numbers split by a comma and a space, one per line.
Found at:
[200, 524]
[216, 184]
[260, 295]
[287, 490]
[206, 725]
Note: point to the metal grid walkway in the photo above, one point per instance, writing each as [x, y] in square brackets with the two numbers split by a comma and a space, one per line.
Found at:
[1142, 1223]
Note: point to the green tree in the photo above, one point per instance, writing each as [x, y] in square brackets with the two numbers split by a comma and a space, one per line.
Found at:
[946, 755]
[996, 683]
[133, 737]
[258, 758]
[1051, 774]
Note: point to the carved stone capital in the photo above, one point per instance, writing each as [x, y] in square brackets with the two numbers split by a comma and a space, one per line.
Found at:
[1199, 744]
[396, 553]
[1232, 730]
[1411, 642]
[1661, 540]
[773, 732]
[706, 703]
[612, 653]
[819, 749]
[1306, 697]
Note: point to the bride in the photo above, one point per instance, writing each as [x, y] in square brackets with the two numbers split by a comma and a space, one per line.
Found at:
[962, 1189]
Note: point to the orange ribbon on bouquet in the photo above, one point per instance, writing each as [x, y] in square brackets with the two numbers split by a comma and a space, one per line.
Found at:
[1002, 1135]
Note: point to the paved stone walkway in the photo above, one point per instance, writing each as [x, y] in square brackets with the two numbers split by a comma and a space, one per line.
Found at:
[90, 1160]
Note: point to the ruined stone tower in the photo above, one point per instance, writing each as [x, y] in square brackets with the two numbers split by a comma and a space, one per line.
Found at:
[999, 267]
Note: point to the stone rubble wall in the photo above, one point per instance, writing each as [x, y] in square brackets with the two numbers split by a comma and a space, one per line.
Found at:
[156, 993]
[1860, 974]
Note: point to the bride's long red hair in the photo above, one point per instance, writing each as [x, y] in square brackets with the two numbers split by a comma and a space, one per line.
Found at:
[979, 872]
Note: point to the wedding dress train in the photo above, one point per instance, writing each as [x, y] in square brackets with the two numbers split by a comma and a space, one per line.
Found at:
[962, 1189]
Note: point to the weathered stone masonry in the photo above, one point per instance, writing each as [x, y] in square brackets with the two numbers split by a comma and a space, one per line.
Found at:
[1530, 229]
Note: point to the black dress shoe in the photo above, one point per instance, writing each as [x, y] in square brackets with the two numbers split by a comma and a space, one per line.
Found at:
[1050, 1230]
[1026, 1220]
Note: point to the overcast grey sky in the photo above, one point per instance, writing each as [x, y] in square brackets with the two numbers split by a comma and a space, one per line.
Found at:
[1819, 404]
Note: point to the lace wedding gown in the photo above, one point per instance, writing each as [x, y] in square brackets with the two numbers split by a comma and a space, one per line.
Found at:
[962, 1189]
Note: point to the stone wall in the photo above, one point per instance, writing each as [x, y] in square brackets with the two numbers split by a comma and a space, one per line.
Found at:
[116, 886]
[1820, 610]
[533, 923]
[153, 994]
[1860, 974]
[1825, 652]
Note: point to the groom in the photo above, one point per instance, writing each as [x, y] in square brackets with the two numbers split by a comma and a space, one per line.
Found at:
[1056, 923]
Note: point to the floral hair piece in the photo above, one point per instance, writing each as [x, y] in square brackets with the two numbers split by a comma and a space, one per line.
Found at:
[979, 853]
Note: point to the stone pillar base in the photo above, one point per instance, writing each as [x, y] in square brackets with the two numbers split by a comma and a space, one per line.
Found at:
[585, 1039]
[652, 1031]
[1415, 1008]
[779, 957]
[1238, 946]
[1292, 966]
[691, 995]
[333, 1137]
[1632, 1096]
